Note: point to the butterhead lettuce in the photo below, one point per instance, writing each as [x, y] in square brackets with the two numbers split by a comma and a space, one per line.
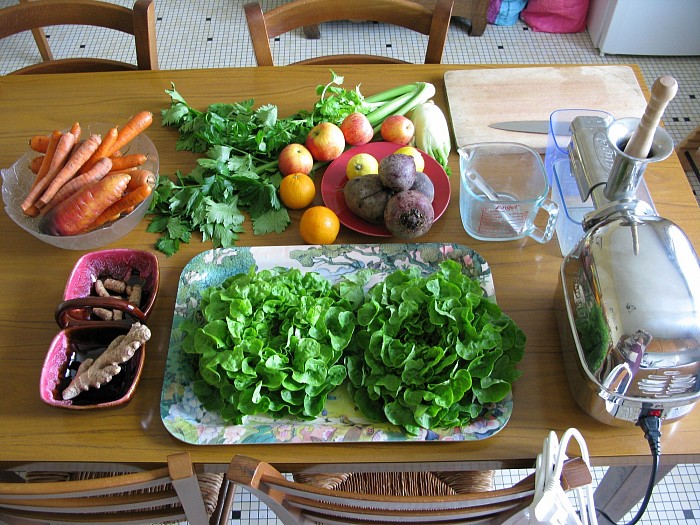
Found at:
[431, 351]
[270, 342]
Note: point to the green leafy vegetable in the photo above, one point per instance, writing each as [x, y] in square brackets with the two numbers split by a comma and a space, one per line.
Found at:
[239, 172]
[431, 351]
[270, 343]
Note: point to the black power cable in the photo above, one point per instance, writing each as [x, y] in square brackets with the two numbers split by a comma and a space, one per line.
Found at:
[650, 423]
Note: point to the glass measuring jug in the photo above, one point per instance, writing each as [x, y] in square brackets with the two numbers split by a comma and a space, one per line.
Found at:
[503, 187]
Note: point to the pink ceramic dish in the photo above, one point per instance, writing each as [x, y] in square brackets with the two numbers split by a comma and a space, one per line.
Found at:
[79, 311]
[132, 266]
[69, 348]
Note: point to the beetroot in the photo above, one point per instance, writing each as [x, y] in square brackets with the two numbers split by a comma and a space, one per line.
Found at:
[366, 197]
[397, 171]
[408, 214]
[424, 185]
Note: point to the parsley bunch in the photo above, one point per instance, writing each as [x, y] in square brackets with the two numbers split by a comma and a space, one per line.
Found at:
[238, 173]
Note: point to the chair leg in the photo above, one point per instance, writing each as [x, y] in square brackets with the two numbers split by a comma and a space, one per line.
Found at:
[41, 42]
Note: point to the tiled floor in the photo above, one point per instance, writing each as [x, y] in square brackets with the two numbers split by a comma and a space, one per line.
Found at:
[212, 33]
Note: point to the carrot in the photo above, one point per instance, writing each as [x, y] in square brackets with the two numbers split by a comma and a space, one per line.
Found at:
[39, 143]
[76, 130]
[60, 156]
[101, 150]
[70, 169]
[35, 164]
[133, 127]
[40, 182]
[50, 150]
[127, 202]
[128, 161]
[98, 172]
[140, 177]
[75, 214]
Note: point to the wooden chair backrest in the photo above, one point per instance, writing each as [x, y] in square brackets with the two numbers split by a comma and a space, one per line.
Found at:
[38, 14]
[434, 23]
[163, 495]
[301, 504]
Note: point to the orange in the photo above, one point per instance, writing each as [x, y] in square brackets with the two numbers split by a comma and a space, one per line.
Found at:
[319, 225]
[297, 190]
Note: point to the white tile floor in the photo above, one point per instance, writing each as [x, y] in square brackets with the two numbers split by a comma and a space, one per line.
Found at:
[212, 33]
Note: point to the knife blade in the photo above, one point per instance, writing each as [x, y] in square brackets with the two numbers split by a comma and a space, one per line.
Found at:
[523, 126]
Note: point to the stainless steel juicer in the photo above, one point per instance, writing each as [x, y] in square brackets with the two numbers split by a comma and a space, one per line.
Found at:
[628, 300]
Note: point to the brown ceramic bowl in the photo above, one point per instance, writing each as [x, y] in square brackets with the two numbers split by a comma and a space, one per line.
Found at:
[131, 266]
[69, 348]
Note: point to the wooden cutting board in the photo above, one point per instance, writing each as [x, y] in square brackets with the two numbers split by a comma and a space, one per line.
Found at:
[480, 97]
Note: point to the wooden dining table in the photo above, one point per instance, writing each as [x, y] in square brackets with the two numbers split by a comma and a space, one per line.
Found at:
[525, 275]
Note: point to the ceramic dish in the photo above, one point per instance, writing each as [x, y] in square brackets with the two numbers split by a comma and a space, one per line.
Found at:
[185, 417]
[69, 348]
[17, 180]
[335, 178]
[131, 266]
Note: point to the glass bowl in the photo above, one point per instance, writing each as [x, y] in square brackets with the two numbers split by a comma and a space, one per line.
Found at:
[17, 180]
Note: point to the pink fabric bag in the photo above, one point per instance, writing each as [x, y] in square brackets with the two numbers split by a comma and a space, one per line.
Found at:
[556, 16]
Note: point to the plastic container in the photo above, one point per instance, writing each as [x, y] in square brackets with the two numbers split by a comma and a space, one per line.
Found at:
[565, 189]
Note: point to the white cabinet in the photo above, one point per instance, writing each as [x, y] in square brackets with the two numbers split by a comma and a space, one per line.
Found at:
[645, 27]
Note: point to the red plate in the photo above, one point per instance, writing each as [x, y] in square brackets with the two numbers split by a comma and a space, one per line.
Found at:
[334, 179]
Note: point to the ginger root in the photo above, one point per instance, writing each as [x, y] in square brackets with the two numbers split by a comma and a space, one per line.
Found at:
[94, 373]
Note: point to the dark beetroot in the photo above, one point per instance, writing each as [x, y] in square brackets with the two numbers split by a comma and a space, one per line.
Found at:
[397, 171]
[408, 214]
[424, 185]
[366, 197]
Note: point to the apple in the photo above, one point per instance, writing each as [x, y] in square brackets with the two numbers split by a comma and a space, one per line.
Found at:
[295, 158]
[397, 129]
[357, 129]
[325, 141]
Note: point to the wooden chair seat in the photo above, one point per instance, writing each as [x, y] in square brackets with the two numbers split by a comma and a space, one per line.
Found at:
[170, 494]
[37, 14]
[434, 23]
[305, 502]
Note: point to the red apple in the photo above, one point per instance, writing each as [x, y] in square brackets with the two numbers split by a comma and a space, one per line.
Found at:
[325, 141]
[397, 129]
[295, 158]
[357, 129]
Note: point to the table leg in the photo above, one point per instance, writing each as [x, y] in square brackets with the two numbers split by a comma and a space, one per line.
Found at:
[622, 488]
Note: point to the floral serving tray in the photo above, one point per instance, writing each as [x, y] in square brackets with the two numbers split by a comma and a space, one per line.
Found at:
[186, 419]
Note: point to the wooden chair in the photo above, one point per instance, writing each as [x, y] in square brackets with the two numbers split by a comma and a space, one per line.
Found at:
[165, 495]
[689, 152]
[38, 14]
[473, 10]
[297, 503]
[299, 13]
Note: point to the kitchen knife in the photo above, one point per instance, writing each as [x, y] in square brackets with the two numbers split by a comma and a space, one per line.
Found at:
[523, 126]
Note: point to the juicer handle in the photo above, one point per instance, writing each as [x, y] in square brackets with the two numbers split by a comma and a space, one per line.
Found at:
[663, 90]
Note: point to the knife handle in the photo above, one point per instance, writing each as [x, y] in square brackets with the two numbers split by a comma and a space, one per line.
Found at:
[663, 90]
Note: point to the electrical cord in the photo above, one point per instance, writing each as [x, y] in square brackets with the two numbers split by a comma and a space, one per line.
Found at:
[650, 423]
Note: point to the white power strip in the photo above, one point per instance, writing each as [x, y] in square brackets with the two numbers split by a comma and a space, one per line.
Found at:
[551, 505]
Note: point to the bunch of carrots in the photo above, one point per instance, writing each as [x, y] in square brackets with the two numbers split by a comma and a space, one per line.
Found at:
[82, 184]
